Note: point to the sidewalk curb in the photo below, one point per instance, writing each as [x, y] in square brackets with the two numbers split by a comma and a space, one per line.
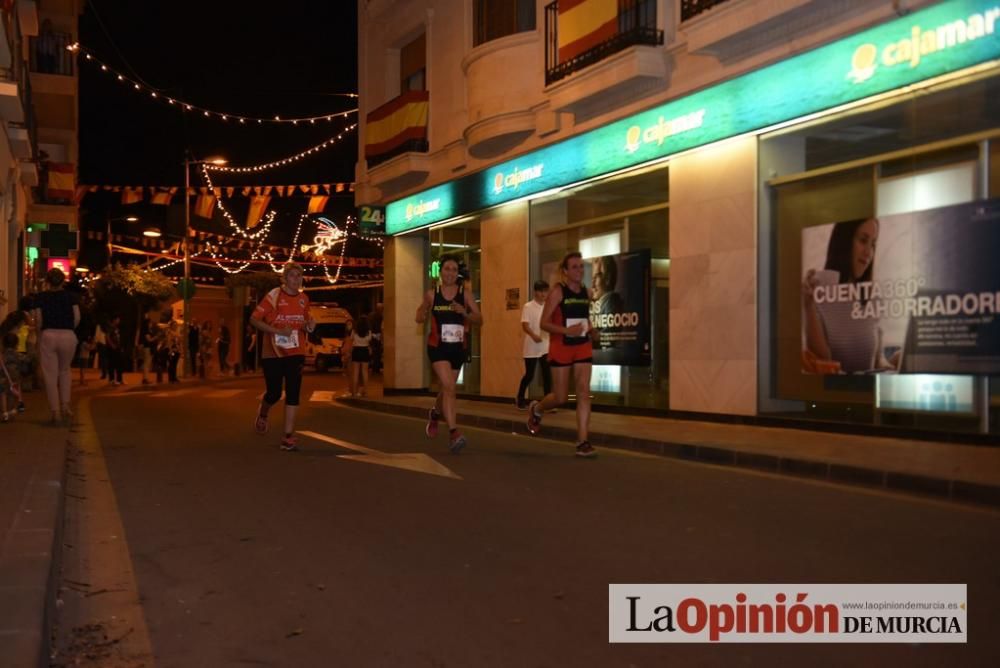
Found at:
[959, 491]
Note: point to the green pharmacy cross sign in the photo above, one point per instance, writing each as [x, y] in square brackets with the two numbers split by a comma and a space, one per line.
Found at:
[59, 240]
[946, 37]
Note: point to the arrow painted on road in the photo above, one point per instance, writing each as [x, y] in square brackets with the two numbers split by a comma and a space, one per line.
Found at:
[411, 461]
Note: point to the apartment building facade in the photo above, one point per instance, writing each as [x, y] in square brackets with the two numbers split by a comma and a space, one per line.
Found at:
[38, 109]
[719, 159]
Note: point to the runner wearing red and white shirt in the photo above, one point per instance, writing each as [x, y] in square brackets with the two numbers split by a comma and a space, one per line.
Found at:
[283, 315]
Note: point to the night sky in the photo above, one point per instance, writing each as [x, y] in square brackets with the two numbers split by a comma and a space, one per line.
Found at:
[288, 60]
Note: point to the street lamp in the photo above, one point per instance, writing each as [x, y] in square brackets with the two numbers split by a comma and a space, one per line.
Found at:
[186, 290]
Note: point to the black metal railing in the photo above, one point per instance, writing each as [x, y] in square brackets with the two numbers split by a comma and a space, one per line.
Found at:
[636, 25]
[692, 8]
[48, 53]
[409, 146]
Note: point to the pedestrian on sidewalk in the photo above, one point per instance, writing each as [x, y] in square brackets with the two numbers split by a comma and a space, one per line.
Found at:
[147, 344]
[57, 313]
[536, 344]
[116, 356]
[250, 358]
[205, 349]
[361, 339]
[566, 317]
[101, 342]
[449, 307]
[10, 377]
[223, 344]
[283, 315]
[194, 346]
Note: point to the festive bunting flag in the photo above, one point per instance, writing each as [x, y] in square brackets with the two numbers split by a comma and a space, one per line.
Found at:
[161, 197]
[131, 195]
[204, 206]
[258, 204]
[583, 24]
[317, 203]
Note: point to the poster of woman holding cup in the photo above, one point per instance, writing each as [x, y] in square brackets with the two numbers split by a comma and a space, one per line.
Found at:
[835, 341]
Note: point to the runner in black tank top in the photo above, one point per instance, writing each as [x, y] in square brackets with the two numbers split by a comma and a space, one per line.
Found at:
[446, 343]
[566, 317]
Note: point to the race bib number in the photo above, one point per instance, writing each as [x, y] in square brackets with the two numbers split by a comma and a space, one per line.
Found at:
[452, 333]
[571, 322]
[287, 342]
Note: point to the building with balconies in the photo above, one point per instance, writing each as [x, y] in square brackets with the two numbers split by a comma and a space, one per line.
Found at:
[38, 108]
[714, 161]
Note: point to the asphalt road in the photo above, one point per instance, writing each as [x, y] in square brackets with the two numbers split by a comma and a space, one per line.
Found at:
[245, 555]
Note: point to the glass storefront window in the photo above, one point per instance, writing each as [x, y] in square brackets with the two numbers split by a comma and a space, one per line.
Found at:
[606, 220]
[887, 163]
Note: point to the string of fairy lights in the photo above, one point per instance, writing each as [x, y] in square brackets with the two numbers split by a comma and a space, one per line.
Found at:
[284, 161]
[335, 234]
[185, 106]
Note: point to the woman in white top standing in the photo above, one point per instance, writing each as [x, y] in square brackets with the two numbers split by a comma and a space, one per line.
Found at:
[361, 339]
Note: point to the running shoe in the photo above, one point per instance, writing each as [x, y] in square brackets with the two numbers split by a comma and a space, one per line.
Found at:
[289, 444]
[585, 449]
[534, 419]
[432, 423]
[260, 423]
[457, 443]
[20, 407]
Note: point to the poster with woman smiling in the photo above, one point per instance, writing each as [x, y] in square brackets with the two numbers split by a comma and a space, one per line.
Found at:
[915, 292]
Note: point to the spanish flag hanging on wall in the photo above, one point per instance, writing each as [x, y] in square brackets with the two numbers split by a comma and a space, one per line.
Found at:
[204, 206]
[62, 180]
[258, 205]
[583, 24]
[397, 122]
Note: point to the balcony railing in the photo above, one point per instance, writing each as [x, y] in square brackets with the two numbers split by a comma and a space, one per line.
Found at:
[636, 24]
[48, 54]
[692, 8]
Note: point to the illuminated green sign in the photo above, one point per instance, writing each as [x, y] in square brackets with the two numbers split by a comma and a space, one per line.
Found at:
[943, 38]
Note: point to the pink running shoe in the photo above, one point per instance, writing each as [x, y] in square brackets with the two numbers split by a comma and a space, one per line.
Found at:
[432, 423]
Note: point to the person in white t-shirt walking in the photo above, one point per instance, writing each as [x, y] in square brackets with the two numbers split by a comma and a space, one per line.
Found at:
[536, 344]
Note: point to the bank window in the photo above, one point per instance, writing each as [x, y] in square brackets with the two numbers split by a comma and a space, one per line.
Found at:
[903, 175]
[494, 19]
[413, 65]
[621, 228]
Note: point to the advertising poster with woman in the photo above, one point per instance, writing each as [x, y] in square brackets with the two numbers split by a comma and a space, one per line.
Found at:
[909, 293]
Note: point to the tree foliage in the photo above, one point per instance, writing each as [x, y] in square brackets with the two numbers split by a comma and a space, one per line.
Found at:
[259, 282]
[124, 288]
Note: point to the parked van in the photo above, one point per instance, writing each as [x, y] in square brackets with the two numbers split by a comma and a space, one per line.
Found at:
[333, 325]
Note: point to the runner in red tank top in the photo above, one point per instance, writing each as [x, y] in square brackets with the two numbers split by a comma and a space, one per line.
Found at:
[566, 317]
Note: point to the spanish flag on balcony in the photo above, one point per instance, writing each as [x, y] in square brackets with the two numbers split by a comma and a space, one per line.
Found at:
[398, 121]
[62, 180]
[583, 24]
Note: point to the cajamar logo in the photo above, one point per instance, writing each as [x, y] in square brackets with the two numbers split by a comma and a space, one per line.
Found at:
[868, 57]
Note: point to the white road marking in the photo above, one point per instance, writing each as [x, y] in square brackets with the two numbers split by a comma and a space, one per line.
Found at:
[410, 461]
[325, 396]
